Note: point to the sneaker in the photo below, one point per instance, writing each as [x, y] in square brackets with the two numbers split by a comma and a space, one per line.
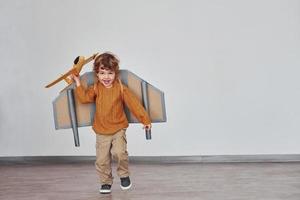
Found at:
[105, 189]
[125, 183]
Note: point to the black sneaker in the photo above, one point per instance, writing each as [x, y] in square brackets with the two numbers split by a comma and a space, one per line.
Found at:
[125, 183]
[105, 189]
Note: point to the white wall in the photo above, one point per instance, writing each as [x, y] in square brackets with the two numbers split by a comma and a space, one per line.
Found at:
[229, 70]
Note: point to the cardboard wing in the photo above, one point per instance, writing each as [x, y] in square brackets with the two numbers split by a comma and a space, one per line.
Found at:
[69, 112]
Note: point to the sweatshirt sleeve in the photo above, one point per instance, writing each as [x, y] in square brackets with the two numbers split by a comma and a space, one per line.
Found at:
[136, 107]
[85, 95]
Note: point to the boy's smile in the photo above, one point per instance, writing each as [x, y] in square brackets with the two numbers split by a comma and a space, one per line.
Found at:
[106, 77]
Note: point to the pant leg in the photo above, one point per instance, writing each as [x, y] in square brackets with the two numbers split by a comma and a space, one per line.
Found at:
[103, 158]
[119, 152]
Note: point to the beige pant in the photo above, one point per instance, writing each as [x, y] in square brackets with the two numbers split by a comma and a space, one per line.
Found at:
[110, 147]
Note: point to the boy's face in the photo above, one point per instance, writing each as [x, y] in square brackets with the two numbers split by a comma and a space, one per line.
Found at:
[106, 77]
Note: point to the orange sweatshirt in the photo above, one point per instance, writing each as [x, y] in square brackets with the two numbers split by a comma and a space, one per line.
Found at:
[110, 116]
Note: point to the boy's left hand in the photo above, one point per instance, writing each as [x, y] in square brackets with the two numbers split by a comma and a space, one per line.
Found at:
[147, 127]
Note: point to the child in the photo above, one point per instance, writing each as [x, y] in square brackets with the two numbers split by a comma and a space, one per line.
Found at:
[110, 121]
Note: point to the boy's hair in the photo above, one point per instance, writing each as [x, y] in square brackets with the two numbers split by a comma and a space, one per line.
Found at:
[106, 61]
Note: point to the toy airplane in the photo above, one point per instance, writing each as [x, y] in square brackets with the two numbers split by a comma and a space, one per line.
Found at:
[79, 62]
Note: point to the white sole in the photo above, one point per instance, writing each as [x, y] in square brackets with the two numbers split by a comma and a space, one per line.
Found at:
[105, 191]
[126, 188]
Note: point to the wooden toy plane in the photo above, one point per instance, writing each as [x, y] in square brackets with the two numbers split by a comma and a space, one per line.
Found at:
[79, 62]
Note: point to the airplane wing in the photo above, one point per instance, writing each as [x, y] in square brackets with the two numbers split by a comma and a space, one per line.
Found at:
[62, 77]
[70, 113]
[85, 112]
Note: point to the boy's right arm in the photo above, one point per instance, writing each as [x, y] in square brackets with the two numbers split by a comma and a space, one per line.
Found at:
[84, 95]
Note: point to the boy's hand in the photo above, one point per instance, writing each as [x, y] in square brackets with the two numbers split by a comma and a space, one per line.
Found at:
[147, 127]
[76, 79]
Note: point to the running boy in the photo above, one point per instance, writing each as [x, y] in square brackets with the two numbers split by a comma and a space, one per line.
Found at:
[110, 121]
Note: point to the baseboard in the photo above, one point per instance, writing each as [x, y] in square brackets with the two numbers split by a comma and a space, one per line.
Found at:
[156, 159]
[219, 158]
